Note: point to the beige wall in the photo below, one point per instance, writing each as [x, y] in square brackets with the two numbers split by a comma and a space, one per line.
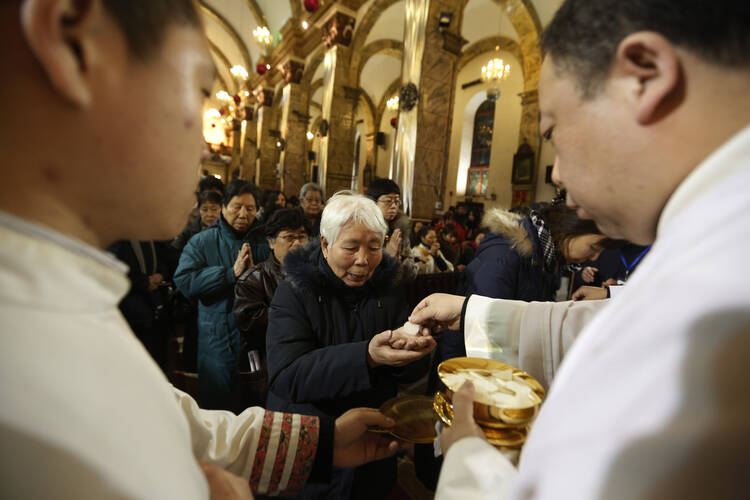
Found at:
[504, 137]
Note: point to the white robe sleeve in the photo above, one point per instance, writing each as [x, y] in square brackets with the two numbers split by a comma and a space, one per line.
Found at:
[274, 450]
[474, 469]
[533, 336]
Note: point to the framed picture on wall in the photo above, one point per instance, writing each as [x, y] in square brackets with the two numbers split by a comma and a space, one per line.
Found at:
[523, 168]
[523, 165]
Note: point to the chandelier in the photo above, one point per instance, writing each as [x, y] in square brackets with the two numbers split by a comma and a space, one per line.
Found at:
[239, 72]
[263, 36]
[495, 70]
[392, 103]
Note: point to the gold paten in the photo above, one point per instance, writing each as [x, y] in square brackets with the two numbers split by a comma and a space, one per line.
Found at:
[414, 417]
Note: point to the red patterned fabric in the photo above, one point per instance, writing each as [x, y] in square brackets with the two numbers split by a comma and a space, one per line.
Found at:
[260, 453]
[307, 446]
[281, 452]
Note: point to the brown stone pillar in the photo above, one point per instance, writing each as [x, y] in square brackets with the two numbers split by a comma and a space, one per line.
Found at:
[266, 174]
[423, 135]
[249, 160]
[236, 148]
[339, 104]
[294, 118]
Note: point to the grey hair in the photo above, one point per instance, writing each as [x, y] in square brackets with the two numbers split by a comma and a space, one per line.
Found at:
[346, 206]
[311, 186]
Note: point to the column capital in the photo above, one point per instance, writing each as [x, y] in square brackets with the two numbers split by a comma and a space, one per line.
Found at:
[292, 68]
[264, 96]
[338, 27]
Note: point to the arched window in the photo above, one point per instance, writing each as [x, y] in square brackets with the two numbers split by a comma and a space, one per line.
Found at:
[481, 147]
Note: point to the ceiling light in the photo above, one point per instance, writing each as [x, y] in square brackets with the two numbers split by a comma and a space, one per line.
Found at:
[305, 25]
[239, 72]
[223, 95]
[310, 136]
[211, 113]
[392, 103]
[263, 35]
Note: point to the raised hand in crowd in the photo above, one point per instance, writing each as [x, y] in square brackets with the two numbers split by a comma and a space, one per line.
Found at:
[380, 352]
[439, 311]
[588, 274]
[393, 246]
[434, 249]
[153, 281]
[589, 293]
[244, 260]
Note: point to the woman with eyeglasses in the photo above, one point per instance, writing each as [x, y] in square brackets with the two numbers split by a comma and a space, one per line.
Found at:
[387, 195]
[286, 230]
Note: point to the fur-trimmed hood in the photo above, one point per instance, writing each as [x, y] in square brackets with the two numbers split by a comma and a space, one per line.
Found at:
[509, 226]
[304, 269]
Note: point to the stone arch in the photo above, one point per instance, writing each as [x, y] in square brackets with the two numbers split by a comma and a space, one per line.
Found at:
[314, 86]
[384, 46]
[365, 25]
[226, 26]
[225, 61]
[313, 61]
[369, 108]
[525, 21]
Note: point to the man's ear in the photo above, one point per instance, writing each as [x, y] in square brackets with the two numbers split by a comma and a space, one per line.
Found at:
[651, 61]
[59, 33]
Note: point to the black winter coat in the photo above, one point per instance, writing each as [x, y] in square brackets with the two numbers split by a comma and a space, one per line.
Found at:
[509, 262]
[318, 333]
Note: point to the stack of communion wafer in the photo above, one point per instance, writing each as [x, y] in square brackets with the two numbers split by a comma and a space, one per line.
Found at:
[506, 399]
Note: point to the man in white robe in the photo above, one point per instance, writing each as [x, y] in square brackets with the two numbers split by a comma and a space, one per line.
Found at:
[646, 104]
[101, 137]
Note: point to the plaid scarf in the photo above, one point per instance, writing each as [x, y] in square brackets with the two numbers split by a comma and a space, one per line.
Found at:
[549, 249]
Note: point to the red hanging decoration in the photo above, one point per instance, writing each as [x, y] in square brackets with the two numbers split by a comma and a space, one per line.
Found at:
[311, 5]
[394, 122]
[236, 99]
[261, 69]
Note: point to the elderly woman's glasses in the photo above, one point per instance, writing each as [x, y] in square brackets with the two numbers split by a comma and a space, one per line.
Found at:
[390, 201]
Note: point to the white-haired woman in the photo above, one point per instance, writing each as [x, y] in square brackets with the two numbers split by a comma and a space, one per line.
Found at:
[329, 331]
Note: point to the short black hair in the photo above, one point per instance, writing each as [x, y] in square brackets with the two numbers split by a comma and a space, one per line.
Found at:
[286, 218]
[209, 197]
[210, 182]
[239, 187]
[426, 228]
[583, 36]
[145, 22]
[379, 187]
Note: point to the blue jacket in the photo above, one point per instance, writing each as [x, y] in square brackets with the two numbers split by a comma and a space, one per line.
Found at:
[508, 262]
[206, 272]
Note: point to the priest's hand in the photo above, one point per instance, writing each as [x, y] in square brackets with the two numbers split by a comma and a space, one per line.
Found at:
[380, 352]
[354, 445]
[463, 418]
[224, 485]
[439, 311]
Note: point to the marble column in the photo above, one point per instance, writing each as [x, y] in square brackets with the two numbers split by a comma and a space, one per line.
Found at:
[426, 100]
[338, 126]
[234, 164]
[266, 176]
[294, 119]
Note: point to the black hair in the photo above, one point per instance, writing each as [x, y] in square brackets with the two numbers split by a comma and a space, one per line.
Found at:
[144, 23]
[424, 230]
[210, 182]
[379, 187]
[584, 35]
[449, 229]
[563, 224]
[292, 200]
[239, 187]
[286, 218]
[209, 197]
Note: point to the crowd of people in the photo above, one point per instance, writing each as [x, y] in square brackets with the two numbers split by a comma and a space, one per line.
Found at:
[646, 390]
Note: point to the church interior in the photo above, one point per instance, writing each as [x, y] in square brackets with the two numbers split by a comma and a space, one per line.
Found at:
[439, 96]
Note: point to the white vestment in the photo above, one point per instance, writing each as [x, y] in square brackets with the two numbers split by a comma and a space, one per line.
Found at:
[652, 399]
[85, 411]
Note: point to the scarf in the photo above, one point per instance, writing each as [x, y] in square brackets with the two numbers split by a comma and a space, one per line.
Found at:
[549, 249]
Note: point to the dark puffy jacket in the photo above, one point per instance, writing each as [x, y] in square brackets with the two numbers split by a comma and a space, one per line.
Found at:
[317, 338]
[318, 334]
[206, 272]
[508, 263]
